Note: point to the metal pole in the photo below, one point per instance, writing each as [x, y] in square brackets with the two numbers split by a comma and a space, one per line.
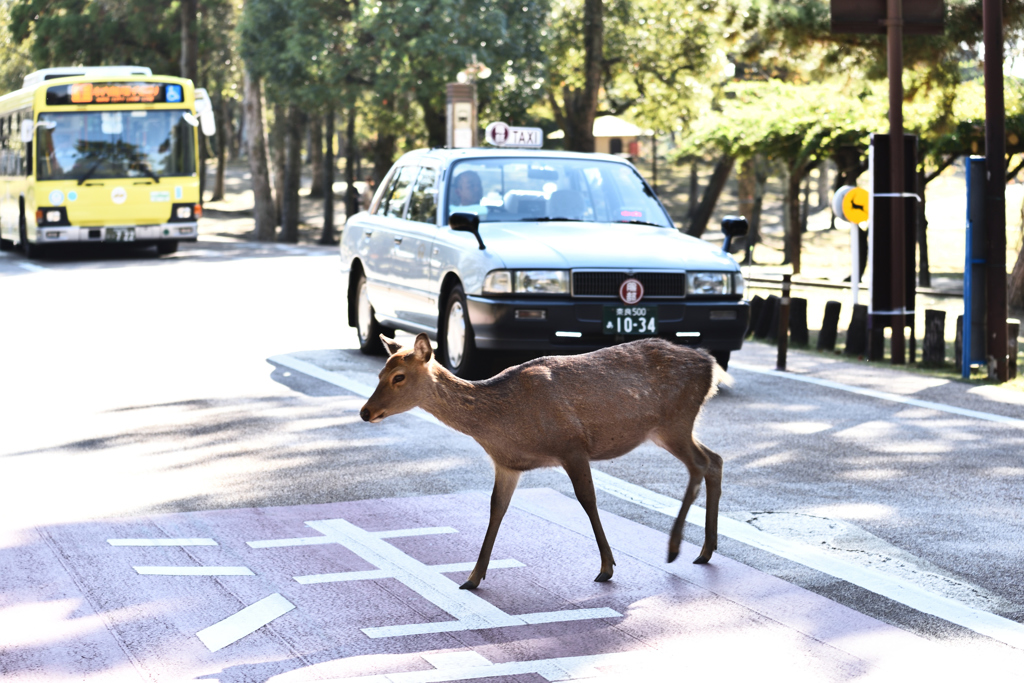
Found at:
[995, 187]
[898, 244]
[783, 333]
[654, 162]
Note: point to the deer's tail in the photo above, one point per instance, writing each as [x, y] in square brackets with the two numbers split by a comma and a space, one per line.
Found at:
[718, 378]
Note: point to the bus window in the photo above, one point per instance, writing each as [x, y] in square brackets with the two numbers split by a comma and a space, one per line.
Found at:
[119, 144]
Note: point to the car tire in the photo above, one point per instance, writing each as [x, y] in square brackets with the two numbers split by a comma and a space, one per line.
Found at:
[31, 251]
[166, 247]
[456, 348]
[368, 329]
[723, 358]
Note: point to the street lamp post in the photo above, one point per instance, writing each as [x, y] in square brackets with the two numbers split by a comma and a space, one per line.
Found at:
[462, 124]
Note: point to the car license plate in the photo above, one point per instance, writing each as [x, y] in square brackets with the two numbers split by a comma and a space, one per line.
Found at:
[630, 320]
[119, 235]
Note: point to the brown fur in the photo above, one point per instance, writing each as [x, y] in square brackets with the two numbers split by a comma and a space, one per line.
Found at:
[567, 411]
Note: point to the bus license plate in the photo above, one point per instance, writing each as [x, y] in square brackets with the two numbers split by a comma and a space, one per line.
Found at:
[119, 235]
[630, 320]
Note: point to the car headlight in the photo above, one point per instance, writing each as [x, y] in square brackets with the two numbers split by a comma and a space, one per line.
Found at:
[498, 282]
[708, 283]
[542, 282]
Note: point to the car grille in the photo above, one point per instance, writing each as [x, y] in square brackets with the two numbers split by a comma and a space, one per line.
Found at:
[605, 283]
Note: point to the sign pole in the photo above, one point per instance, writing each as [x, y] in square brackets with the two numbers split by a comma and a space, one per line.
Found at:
[995, 190]
[898, 257]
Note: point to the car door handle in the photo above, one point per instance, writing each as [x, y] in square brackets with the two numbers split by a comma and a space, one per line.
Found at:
[398, 240]
[367, 233]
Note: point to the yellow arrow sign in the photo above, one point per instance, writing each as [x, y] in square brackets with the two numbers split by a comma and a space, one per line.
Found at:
[855, 205]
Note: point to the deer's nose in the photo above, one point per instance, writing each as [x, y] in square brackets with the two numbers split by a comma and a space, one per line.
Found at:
[365, 414]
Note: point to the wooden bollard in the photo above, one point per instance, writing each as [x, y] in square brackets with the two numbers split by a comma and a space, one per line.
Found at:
[857, 333]
[933, 351]
[756, 306]
[782, 331]
[829, 326]
[1012, 332]
[798, 322]
[768, 314]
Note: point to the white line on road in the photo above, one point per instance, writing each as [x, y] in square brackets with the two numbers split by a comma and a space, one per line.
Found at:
[244, 622]
[195, 571]
[883, 395]
[161, 541]
[898, 590]
[373, 574]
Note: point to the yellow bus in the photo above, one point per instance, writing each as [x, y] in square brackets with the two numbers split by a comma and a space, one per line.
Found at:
[103, 155]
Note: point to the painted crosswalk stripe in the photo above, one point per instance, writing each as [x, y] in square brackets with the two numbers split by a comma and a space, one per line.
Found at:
[160, 541]
[195, 571]
[244, 622]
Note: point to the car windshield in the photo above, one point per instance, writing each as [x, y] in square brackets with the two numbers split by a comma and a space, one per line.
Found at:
[552, 189]
[114, 144]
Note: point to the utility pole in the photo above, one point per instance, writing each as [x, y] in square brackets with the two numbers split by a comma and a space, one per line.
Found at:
[995, 187]
[894, 24]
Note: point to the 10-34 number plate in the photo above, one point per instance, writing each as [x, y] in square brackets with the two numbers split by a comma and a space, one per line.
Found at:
[630, 320]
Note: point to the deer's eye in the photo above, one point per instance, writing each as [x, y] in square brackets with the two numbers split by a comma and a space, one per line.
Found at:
[397, 378]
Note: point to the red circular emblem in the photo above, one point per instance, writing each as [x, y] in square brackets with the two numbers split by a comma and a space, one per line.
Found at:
[631, 291]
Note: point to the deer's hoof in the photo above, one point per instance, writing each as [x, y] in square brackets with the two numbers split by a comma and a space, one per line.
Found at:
[672, 555]
[603, 576]
[701, 559]
[469, 585]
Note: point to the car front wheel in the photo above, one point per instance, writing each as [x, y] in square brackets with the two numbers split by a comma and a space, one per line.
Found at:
[457, 350]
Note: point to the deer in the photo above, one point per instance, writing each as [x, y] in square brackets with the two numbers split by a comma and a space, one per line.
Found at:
[568, 411]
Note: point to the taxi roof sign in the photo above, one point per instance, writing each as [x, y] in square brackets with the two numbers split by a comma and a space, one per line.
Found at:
[500, 134]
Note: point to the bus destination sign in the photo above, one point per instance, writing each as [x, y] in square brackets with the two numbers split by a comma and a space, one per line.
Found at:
[114, 93]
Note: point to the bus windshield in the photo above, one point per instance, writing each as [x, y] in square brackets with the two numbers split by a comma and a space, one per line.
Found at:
[553, 189]
[114, 144]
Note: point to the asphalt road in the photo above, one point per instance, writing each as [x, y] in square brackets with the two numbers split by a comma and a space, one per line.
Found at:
[225, 378]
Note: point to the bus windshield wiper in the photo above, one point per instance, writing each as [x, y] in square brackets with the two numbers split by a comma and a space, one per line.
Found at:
[92, 169]
[144, 167]
[549, 218]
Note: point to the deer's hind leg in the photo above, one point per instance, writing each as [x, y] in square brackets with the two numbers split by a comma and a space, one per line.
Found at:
[703, 464]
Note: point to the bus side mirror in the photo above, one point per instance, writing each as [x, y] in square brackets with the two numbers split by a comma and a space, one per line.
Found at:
[28, 129]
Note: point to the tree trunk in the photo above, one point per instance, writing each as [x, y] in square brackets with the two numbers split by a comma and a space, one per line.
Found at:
[694, 188]
[1015, 284]
[223, 132]
[805, 205]
[579, 107]
[351, 196]
[327, 163]
[793, 235]
[751, 197]
[277, 157]
[924, 275]
[316, 156]
[189, 40]
[435, 121]
[293, 173]
[263, 211]
[383, 156]
[723, 167]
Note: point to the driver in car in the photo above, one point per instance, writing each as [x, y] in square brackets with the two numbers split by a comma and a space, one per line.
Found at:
[467, 191]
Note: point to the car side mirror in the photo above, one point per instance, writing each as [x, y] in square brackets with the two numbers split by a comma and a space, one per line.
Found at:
[466, 222]
[733, 226]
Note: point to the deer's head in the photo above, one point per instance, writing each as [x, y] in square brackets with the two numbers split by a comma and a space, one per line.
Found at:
[405, 381]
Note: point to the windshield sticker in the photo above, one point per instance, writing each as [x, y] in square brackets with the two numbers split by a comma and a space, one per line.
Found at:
[72, 196]
[631, 214]
[177, 192]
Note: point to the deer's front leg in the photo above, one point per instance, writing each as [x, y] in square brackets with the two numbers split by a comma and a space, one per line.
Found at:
[583, 485]
[505, 482]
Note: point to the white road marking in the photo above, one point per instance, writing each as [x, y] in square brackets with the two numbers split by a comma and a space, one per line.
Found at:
[323, 540]
[195, 571]
[161, 541]
[32, 267]
[450, 668]
[884, 396]
[896, 589]
[471, 612]
[244, 622]
[422, 531]
[383, 574]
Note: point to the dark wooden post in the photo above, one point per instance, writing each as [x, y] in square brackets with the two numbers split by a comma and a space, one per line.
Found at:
[934, 347]
[798, 322]
[857, 333]
[995, 188]
[899, 295]
[783, 328]
[829, 326]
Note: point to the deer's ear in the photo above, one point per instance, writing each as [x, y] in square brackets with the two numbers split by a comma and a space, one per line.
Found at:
[391, 345]
[422, 349]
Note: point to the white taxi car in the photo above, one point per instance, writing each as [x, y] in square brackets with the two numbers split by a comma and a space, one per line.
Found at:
[530, 250]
